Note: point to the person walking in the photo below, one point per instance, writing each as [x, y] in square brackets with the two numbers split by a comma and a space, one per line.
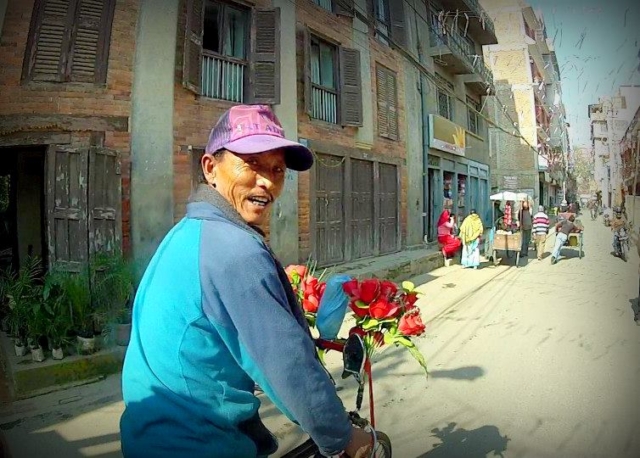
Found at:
[563, 229]
[470, 232]
[525, 222]
[540, 231]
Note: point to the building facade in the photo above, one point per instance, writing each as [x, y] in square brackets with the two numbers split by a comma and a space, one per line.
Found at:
[610, 119]
[530, 144]
[106, 107]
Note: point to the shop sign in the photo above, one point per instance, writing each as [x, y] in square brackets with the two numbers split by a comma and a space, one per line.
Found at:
[510, 183]
[445, 135]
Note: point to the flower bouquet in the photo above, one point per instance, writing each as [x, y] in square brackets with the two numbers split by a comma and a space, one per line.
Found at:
[308, 288]
[386, 314]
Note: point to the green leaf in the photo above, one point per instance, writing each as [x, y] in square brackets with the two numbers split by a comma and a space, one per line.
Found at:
[408, 286]
[418, 357]
[402, 340]
[388, 338]
[361, 305]
[370, 324]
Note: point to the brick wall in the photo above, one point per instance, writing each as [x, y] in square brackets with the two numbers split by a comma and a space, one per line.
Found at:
[339, 29]
[114, 99]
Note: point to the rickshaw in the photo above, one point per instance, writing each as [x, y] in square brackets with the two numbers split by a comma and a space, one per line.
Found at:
[505, 240]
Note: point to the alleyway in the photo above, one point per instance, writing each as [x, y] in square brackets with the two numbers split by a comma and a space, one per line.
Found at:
[541, 361]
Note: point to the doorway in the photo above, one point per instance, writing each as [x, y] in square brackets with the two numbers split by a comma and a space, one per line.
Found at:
[22, 209]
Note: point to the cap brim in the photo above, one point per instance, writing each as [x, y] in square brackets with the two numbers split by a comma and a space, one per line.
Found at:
[297, 157]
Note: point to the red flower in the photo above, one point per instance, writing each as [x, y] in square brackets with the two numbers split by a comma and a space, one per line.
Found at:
[310, 285]
[351, 288]
[410, 299]
[369, 290]
[383, 309]
[310, 303]
[388, 289]
[301, 271]
[411, 324]
[360, 312]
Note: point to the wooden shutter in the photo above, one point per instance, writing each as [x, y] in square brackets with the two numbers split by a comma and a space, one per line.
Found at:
[383, 101]
[192, 58]
[389, 199]
[392, 105]
[264, 65]
[350, 88]
[48, 40]
[344, 7]
[370, 10]
[330, 237]
[397, 20]
[306, 43]
[105, 201]
[66, 194]
[90, 40]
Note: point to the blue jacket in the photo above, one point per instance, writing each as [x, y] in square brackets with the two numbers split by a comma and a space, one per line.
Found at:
[213, 314]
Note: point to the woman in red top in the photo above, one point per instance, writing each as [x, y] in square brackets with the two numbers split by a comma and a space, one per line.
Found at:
[450, 244]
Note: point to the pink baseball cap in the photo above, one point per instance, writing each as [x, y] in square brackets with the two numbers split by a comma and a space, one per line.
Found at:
[251, 129]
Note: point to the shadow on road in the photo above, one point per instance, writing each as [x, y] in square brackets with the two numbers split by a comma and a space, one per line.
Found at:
[475, 443]
[635, 307]
[462, 373]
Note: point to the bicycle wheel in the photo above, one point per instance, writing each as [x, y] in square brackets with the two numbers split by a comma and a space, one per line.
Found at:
[383, 447]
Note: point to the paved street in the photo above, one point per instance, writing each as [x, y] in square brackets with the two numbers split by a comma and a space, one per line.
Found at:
[541, 361]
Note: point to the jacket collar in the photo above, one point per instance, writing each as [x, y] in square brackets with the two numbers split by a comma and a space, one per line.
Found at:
[208, 194]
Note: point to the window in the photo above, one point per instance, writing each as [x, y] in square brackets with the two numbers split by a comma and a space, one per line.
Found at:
[473, 116]
[387, 94]
[69, 41]
[389, 19]
[324, 91]
[326, 4]
[445, 100]
[333, 87]
[231, 52]
[224, 51]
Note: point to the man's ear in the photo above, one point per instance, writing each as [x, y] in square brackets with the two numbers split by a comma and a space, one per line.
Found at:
[208, 164]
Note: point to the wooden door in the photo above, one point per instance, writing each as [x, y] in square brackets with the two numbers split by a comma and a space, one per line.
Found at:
[362, 240]
[66, 196]
[329, 210]
[105, 202]
[389, 204]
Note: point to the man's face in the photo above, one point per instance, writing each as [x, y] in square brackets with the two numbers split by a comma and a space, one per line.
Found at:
[250, 182]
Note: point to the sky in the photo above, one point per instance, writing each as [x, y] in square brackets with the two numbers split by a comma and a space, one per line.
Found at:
[597, 43]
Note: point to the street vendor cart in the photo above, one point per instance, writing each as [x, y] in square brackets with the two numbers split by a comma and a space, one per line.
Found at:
[505, 240]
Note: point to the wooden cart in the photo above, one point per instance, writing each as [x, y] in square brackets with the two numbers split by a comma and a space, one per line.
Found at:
[508, 242]
[576, 241]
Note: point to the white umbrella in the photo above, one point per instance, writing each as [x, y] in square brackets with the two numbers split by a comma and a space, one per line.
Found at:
[510, 195]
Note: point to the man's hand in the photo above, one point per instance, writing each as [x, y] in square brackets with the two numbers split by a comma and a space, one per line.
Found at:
[360, 445]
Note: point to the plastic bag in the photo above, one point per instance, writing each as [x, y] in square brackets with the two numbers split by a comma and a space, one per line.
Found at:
[332, 308]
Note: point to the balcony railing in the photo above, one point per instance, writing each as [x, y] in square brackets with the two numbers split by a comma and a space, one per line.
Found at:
[324, 104]
[461, 48]
[479, 10]
[223, 77]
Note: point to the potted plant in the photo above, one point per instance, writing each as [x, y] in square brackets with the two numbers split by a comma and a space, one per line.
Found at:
[36, 322]
[22, 292]
[113, 291]
[77, 299]
[60, 319]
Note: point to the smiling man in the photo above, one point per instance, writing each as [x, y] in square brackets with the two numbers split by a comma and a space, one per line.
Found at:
[215, 314]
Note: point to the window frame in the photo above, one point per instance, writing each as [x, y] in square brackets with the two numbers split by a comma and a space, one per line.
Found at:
[473, 114]
[222, 26]
[65, 59]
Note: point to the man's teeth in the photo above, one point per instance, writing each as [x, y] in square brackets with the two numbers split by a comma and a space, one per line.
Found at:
[259, 201]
